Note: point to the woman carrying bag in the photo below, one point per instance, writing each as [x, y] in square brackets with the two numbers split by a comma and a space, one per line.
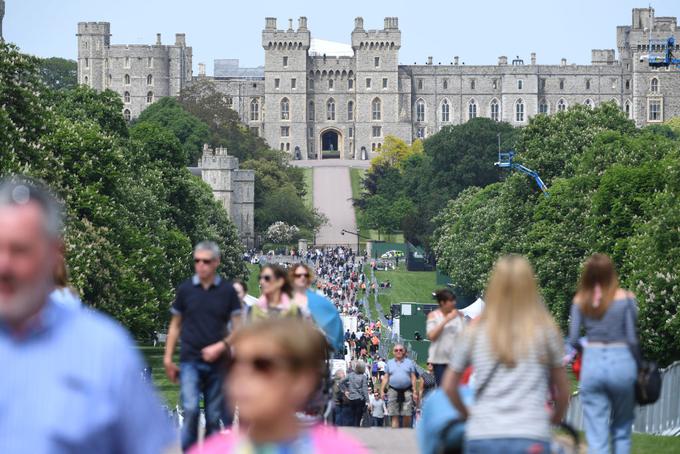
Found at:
[610, 358]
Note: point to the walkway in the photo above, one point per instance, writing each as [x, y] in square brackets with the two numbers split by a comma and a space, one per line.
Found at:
[331, 163]
[333, 198]
[384, 440]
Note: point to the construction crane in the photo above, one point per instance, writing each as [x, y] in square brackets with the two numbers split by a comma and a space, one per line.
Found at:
[505, 161]
[665, 59]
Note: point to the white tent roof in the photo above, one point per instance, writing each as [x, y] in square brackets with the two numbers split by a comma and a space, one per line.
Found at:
[329, 48]
[474, 310]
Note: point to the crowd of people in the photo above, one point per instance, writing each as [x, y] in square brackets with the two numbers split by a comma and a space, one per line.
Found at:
[74, 383]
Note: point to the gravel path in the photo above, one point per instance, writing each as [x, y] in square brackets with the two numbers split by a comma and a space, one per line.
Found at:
[333, 198]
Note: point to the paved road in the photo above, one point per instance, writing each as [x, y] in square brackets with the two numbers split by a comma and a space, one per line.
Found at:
[332, 163]
[333, 197]
[388, 441]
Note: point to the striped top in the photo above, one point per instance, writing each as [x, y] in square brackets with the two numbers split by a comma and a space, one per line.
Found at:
[513, 404]
[616, 325]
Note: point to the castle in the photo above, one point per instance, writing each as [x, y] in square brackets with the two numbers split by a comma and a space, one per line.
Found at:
[318, 99]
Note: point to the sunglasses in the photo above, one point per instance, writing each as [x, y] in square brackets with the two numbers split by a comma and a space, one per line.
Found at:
[266, 277]
[204, 261]
[305, 275]
[264, 365]
[398, 349]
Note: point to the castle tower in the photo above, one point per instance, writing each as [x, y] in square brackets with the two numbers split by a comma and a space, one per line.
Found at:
[94, 39]
[180, 64]
[376, 54]
[285, 84]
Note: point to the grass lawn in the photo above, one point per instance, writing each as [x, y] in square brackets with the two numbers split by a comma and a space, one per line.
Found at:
[652, 444]
[407, 286]
[253, 284]
[154, 358]
[309, 184]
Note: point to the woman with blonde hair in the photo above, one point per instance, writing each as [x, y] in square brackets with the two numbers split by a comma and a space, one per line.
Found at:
[609, 315]
[516, 352]
[277, 366]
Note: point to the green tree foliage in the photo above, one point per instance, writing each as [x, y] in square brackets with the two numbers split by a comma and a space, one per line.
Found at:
[133, 209]
[611, 187]
[58, 73]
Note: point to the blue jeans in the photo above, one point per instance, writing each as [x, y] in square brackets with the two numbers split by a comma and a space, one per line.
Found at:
[608, 398]
[439, 370]
[506, 446]
[377, 422]
[196, 378]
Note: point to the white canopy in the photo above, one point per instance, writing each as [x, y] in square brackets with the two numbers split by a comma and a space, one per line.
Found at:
[474, 310]
[329, 48]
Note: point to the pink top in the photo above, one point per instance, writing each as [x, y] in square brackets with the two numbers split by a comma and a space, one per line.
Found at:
[325, 440]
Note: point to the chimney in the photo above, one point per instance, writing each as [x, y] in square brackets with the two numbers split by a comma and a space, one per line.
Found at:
[563, 62]
[270, 23]
[502, 60]
[302, 24]
[533, 58]
[359, 23]
[455, 60]
[201, 70]
[290, 25]
[429, 60]
[391, 23]
[180, 39]
[158, 39]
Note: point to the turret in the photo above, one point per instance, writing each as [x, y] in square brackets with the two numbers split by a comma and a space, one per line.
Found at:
[94, 38]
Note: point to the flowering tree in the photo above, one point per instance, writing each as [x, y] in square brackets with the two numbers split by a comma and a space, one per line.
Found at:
[282, 233]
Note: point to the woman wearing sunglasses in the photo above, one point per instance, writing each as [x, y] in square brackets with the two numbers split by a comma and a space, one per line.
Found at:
[276, 292]
[276, 368]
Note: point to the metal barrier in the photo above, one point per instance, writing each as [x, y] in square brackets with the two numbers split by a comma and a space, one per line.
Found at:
[661, 418]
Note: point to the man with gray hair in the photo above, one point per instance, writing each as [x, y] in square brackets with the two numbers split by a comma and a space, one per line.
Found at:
[203, 307]
[71, 380]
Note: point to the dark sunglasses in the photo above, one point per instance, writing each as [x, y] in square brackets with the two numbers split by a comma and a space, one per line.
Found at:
[204, 261]
[266, 277]
[264, 365]
[305, 275]
[398, 349]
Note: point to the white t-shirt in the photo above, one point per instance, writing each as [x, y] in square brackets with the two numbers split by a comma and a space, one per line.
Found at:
[440, 350]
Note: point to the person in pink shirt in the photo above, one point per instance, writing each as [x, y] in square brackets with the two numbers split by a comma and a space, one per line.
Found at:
[277, 366]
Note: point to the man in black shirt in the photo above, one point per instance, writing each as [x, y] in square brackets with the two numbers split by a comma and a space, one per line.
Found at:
[203, 307]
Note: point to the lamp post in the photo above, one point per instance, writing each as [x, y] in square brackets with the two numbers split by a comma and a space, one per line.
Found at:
[357, 234]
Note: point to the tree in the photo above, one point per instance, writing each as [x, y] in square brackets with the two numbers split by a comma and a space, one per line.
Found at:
[395, 151]
[59, 73]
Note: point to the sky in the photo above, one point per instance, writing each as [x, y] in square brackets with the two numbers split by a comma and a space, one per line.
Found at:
[478, 31]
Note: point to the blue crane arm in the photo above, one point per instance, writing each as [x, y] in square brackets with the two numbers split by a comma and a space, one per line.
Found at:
[533, 175]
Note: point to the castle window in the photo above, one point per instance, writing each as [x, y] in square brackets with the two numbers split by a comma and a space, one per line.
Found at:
[126, 79]
[543, 107]
[127, 62]
[587, 84]
[149, 79]
[494, 84]
[377, 131]
[472, 109]
[87, 81]
[283, 146]
[520, 84]
[255, 131]
[330, 84]
[126, 114]
[277, 83]
[285, 131]
[310, 111]
[588, 103]
[473, 84]
[420, 110]
[446, 117]
[627, 84]
[654, 85]
[126, 97]
[293, 84]
[542, 84]
[311, 84]
[288, 146]
[350, 132]
[495, 110]
[149, 62]
[87, 62]
[655, 110]
[613, 83]
[376, 62]
[420, 133]
[330, 110]
[561, 105]
[350, 111]
[561, 84]
[445, 84]
[420, 84]
[376, 109]
[310, 132]
[149, 97]
[254, 110]
[110, 79]
[285, 109]
[384, 82]
[285, 62]
[350, 84]
[368, 82]
[627, 109]
[519, 111]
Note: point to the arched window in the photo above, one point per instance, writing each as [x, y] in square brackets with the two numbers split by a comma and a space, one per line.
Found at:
[149, 97]
[495, 110]
[87, 81]
[311, 114]
[519, 111]
[149, 79]
[420, 110]
[472, 109]
[376, 109]
[589, 103]
[330, 109]
[127, 79]
[126, 114]
[543, 107]
[126, 97]
[254, 110]
[561, 105]
[350, 111]
[446, 117]
[654, 85]
[627, 108]
[285, 109]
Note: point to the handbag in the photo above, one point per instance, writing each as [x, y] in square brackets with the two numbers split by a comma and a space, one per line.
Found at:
[648, 381]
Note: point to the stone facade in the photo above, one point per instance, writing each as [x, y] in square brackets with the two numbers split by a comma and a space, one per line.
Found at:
[311, 103]
[232, 187]
[139, 73]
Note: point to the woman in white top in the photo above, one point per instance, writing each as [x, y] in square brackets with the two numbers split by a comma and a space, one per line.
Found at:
[443, 325]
